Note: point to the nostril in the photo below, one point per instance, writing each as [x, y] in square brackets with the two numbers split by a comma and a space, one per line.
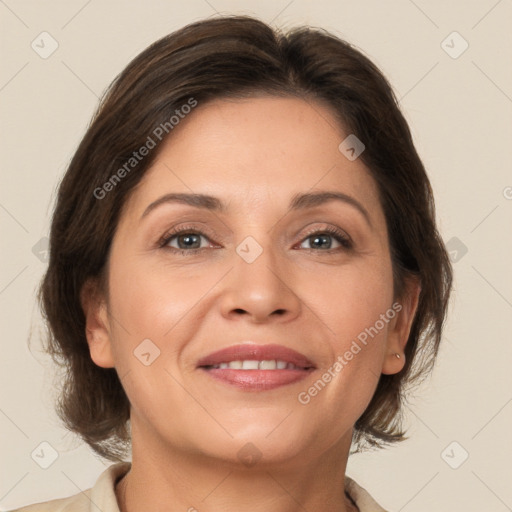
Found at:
[279, 312]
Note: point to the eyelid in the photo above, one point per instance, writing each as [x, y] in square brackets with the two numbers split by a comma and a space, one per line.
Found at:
[184, 229]
[341, 235]
[330, 229]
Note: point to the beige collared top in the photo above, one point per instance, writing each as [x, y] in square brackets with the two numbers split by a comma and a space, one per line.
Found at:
[101, 497]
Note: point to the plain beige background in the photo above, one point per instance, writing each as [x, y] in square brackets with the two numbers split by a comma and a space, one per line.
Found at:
[459, 110]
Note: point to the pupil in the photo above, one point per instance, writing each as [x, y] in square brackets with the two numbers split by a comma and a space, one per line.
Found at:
[188, 238]
[322, 238]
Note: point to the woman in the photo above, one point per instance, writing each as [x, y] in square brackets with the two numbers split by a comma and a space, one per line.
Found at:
[245, 274]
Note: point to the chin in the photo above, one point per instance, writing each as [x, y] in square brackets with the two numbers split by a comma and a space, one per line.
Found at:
[263, 444]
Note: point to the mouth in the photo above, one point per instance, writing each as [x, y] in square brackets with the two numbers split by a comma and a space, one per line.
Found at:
[254, 367]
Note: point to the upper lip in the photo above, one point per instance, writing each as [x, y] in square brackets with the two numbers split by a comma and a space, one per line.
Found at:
[253, 351]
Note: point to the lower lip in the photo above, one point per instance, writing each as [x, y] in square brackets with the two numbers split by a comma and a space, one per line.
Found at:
[257, 380]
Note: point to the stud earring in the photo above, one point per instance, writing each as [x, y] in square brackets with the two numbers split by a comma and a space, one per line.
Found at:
[397, 355]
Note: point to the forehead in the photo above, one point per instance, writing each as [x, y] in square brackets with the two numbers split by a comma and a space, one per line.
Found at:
[254, 151]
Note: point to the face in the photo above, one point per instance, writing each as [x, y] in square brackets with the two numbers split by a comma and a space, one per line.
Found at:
[262, 314]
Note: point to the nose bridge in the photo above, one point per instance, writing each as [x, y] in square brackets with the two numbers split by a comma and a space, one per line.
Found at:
[258, 286]
[258, 264]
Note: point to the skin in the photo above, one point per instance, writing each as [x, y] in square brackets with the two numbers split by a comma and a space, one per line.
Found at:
[187, 428]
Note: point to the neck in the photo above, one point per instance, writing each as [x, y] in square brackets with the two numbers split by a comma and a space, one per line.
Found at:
[168, 479]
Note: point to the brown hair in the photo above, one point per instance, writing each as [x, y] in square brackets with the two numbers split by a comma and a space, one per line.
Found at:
[233, 56]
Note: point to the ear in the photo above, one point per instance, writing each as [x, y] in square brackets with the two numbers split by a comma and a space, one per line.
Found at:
[97, 327]
[400, 327]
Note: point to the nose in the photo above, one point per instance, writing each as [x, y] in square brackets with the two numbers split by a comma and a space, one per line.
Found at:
[262, 290]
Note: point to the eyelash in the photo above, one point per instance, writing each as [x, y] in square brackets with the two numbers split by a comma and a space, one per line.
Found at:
[340, 236]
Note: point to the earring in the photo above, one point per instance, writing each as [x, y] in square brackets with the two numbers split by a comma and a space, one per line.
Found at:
[397, 355]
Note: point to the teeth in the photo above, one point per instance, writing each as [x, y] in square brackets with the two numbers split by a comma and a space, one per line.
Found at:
[250, 365]
[256, 365]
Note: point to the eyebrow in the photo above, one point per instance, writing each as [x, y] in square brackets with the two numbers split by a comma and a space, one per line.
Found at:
[298, 202]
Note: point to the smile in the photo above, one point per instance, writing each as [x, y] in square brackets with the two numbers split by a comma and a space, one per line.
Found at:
[256, 365]
[253, 367]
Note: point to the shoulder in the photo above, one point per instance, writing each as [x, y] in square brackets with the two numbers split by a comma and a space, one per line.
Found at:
[100, 497]
[361, 497]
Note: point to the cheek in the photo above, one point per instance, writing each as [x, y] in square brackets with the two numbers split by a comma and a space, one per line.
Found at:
[163, 305]
[146, 307]
[357, 309]
[149, 300]
[353, 298]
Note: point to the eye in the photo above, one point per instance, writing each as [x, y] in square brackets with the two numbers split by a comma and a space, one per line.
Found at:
[184, 240]
[187, 240]
[322, 239]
